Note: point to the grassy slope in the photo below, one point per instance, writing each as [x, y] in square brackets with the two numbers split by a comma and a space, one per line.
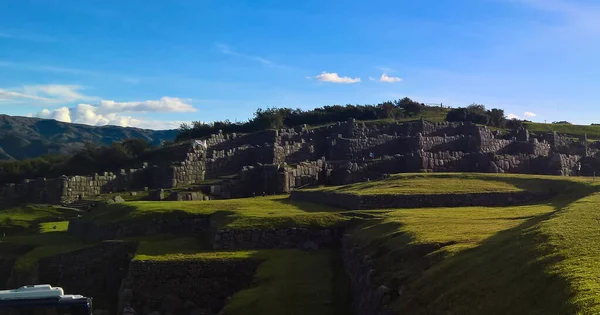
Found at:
[593, 132]
[28, 216]
[574, 234]
[434, 114]
[259, 212]
[41, 245]
[538, 259]
[288, 281]
[453, 183]
[294, 282]
[33, 233]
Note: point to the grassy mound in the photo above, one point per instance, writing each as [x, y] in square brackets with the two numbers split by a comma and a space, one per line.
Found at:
[538, 259]
[248, 213]
[455, 183]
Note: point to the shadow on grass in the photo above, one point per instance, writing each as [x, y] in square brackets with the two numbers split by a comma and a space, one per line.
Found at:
[307, 206]
[510, 272]
[294, 282]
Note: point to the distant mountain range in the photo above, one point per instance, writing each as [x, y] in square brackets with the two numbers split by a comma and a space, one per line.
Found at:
[23, 137]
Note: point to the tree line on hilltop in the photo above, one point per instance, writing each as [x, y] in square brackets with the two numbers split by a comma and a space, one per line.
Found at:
[274, 118]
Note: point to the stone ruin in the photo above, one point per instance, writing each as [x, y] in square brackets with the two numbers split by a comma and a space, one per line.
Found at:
[277, 161]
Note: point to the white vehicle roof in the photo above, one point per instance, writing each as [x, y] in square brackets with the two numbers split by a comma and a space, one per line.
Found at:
[40, 291]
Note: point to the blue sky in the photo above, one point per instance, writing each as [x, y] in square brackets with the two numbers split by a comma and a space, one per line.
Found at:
[155, 64]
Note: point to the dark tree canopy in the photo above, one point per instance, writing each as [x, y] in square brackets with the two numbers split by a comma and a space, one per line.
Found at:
[478, 114]
[281, 117]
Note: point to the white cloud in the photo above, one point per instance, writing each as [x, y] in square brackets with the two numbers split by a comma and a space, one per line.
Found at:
[386, 78]
[164, 104]
[371, 79]
[512, 116]
[530, 114]
[335, 78]
[62, 114]
[111, 113]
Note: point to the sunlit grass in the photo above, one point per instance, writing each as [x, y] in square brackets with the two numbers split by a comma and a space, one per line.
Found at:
[249, 213]
[456, 183]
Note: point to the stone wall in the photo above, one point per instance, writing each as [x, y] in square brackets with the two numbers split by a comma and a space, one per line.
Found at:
[185, 287]
[275, 179]
[94, 271]
[365, 202]
[174, 222]
[398, 147]
[368, 298]
[304, 238]
[563, 164]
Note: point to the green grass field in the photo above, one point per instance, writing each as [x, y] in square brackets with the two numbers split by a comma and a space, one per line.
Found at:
[247, 213]
[455, 183]
[534, 259]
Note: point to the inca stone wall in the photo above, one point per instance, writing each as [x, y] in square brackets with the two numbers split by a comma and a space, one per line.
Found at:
[368, 298]
[303, 238]
[366, 202]
[185, 287]
[174, 222]
[94, 271]
[276, 161]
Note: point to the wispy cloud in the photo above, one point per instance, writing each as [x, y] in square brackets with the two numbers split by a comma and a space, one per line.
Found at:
[575, 14]
[530, 114]
[228, 51]
[512, 116]
[50, 93]
[66, 70]
[371, 79]
[21, 35]
[385, 69]
[388, 79]
[335, 78]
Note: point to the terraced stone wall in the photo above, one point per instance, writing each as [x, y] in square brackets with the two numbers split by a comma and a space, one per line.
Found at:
[176, 222]
[185, 287]
[303, 238]
[368, 298]
[94, 271]
[365, 202]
